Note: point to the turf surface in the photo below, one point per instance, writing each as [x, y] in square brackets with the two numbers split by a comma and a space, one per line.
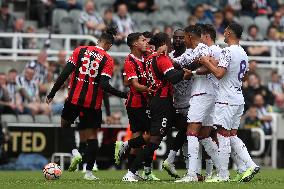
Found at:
[270, 179]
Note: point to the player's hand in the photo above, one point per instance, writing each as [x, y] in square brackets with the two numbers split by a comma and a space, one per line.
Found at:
[150, 91]
[162, 49]
[48, 100]
[187, 74]
[203, 59]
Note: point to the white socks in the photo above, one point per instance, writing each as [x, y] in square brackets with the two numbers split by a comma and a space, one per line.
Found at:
[171, 156]
[209, 167]
[185, 154]
[199, 162]
[241, 166]
[75, 152]
[193, 150]
[223, 156]
[241, 151]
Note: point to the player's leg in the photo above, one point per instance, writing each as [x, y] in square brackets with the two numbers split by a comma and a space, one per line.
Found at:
[82, 146]
[223, 114]
[199, 106]
[92, 119]
[240, 153]
[139, 123]
[179, 140]
[161, 119]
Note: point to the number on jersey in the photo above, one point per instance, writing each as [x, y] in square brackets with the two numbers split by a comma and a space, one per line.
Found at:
[243, 68]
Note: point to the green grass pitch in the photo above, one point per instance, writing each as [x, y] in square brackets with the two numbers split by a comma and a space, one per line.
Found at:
[270, 179]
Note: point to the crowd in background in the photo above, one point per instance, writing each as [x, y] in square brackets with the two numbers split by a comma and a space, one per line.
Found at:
[23, 91]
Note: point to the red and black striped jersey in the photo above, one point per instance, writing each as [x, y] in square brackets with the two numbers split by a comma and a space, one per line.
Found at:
[157, 67]
[90, 63]
[135, 68]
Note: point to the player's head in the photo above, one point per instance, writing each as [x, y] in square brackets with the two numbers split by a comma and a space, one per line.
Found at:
[233, 32]
[160, 39]
[107, 38]
[178, 39]
[148, 35]
[137, 41]
[192, 34]
[208, 34]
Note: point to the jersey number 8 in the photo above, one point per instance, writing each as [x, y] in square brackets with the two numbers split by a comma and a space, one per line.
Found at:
[243, 66]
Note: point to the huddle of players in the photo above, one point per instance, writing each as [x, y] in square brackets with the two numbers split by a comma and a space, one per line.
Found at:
[208, 105]
[203, 96]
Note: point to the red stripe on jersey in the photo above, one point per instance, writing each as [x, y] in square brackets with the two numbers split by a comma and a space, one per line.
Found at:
[91, 62]
[135, 68]
[157, 66]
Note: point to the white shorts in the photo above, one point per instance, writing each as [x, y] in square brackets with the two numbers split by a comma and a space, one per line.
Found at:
[201, 109]
[228, 116]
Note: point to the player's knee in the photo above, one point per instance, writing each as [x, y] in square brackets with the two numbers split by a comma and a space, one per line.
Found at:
[222, 131]
[92, 133]
[234, 132]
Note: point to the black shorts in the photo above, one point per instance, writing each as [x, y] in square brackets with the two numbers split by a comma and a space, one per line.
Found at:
[88, 118]
[162, 115]
[139, 119]
[180, 121]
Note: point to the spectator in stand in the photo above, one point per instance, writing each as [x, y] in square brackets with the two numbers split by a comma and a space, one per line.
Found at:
[58, 101]
[250, 118]
[278, 22]
[278, 106]
[60, 64]
[6, 105]
[19, 25]
[263, 113]
[41, 66]
[13, 92]
[108, 18]
[6, 25]
[191, 20]
[253, 34]
[155, 30]
[199, 13]
[248, 8]
[229, 16]
[29, 91]
[117, 78]
[138, 5]
[30, 43]
[91, 22]
[44, 13]
[6, 19]
[169, 30]
[275, 85]
[254, 87]
[234, 4]
[68, 4]
[218, 24]
[263, 7]
[124, 23]
[274, 36]
[192, 4]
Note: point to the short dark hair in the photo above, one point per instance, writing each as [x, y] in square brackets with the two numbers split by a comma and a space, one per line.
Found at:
[131, 38]
[147, 34]
[13, 70]
[209, 29]
[159, 39]
[108, 35]
[194, 29]
[252, 26]
[236, 28]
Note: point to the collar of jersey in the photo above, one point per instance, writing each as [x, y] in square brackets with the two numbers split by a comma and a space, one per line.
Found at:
[100, 47]
[141, 60]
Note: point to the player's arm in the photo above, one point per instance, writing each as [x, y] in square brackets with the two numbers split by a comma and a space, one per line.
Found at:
[106, 103]
[106, 76]
[110, 89]
[204, 70]
[138, 87]
[217, 71]
[60, 81]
